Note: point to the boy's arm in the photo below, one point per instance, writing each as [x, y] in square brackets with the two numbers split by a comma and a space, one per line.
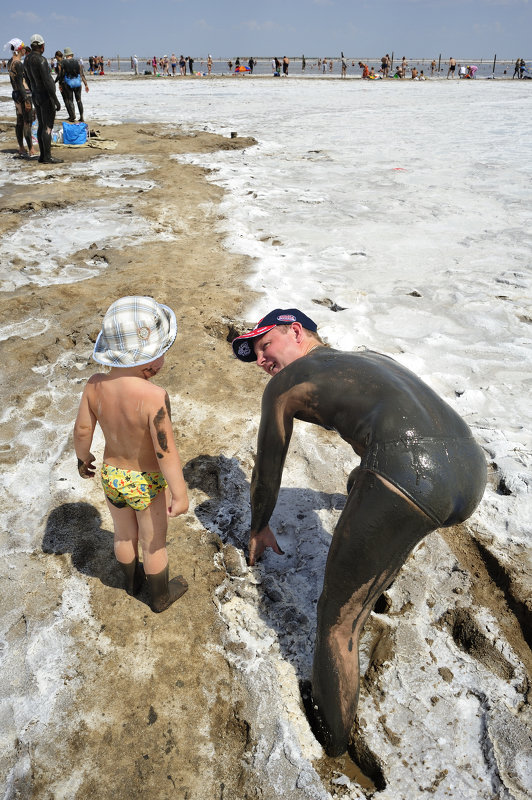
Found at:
[162, 434]
[83, 433]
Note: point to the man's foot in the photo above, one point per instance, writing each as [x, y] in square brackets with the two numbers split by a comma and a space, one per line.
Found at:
[81, 119]
[71, 119]
[51, 160]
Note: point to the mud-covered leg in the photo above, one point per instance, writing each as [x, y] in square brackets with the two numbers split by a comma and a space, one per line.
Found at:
[375, 533]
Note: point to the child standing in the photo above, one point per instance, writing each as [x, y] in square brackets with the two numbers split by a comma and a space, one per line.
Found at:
[140, 457]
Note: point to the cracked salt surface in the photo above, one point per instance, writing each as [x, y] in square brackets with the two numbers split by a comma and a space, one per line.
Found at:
[112, 171]
[38, 251]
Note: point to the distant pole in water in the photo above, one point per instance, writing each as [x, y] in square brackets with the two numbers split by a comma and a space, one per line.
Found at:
[391, 65]
[118, 59]
[494, 61]
[439, 62]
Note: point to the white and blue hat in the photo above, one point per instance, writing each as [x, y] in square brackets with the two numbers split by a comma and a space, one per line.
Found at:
[135, 330]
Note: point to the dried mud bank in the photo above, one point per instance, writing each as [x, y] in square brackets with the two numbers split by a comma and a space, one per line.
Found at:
[104, 697]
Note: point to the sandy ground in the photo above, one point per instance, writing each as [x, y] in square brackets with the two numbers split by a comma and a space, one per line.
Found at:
[137, 718]
[151, 705]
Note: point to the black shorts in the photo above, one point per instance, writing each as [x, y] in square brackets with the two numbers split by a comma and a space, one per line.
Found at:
[444, 477]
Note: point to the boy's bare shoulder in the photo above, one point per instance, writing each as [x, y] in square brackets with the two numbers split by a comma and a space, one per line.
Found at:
[151, 393]
[96, 378]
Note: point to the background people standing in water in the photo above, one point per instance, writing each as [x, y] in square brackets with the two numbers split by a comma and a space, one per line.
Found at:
[140, 456]
[420, 470]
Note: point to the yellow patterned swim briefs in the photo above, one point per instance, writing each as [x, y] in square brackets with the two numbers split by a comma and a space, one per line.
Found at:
[127, 487]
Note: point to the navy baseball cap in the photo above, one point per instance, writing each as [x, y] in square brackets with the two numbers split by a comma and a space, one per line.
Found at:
[243, 345]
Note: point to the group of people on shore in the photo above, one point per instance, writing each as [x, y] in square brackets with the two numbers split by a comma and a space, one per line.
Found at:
[165, 66]
[34, 93]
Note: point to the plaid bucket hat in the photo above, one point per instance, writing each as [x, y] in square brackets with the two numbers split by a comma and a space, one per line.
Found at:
[135, 330]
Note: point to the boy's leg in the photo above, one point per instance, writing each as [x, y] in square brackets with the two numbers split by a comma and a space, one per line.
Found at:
[126, 538]
[375, 533]
[126, 547]
[152, 527]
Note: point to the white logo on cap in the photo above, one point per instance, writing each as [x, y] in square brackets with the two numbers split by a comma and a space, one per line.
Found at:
[286, 318]
[244, 349]
[143, 333]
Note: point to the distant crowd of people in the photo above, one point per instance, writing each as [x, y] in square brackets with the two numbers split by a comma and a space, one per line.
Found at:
[185, 65]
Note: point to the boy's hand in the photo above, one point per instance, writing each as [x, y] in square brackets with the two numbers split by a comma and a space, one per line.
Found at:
[177, 507]
[86, 468]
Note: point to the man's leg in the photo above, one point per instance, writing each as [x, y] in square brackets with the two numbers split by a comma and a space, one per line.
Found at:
[40, 126]
[46, 110]
[68, 99]
[77, 94]
[19, 128]
[27, 116]
[376, 532]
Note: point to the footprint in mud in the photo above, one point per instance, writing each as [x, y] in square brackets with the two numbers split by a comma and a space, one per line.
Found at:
[467, 634]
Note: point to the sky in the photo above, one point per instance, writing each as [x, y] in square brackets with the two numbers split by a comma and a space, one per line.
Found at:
[360, 28]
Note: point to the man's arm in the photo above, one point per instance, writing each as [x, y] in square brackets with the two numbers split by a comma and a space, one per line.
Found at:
[83, 433]
[48, 81]
[83, 78]
[162, 434]
[26, 72]
[274, 438]
[19, 81]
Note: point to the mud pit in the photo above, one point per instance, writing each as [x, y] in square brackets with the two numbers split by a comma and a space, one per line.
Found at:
[104, 697]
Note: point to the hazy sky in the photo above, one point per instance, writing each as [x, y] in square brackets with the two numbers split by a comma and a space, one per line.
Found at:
[415, 28]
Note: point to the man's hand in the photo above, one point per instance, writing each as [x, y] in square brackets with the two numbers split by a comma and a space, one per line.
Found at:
[86, 468]
[258, 542]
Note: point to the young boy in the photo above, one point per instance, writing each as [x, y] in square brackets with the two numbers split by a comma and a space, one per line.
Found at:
[140, 456]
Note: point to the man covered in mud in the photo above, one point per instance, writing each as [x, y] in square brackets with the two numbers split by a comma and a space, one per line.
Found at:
[39, 78]
[21, 98]
[420, 470]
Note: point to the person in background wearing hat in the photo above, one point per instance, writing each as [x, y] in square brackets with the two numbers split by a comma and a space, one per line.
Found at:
[39, 79]
[22, 99]
[71, 75]
[420, 470]
[140, 456]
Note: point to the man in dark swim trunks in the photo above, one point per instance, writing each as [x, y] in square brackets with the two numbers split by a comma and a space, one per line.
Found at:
[39, 79]
[420, 470]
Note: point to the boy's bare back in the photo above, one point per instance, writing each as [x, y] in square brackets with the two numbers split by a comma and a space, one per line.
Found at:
[128, 408]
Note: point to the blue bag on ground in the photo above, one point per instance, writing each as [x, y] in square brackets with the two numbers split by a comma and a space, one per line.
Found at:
[75, 132]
